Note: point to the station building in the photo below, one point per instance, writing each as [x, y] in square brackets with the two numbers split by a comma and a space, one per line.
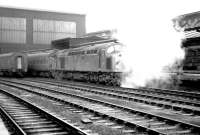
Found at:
[23, 30]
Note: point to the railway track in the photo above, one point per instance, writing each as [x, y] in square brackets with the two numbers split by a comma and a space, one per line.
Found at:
[151, 123]
[184, 92]
[184, 106]
[98, 117]
[23, 117]
[193, 96]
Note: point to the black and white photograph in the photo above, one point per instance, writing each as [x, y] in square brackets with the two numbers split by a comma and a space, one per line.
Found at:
[109, 67]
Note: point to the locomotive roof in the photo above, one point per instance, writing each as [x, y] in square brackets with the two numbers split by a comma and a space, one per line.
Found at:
[38, 50]
[88, 47]
[87, 39]
[47, 52]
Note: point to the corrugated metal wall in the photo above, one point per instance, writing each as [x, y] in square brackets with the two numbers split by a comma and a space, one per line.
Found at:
[12, 30]
[17, 34]
[44, 31]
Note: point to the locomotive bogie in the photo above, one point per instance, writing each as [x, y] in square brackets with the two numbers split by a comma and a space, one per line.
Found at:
[107, 78]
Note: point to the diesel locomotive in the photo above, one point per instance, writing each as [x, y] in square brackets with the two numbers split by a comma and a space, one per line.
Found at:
[97, 62]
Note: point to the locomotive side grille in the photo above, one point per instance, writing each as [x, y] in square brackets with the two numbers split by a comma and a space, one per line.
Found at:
[109, 63]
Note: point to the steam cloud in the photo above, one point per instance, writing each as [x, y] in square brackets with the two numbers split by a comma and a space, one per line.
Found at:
[144, 62]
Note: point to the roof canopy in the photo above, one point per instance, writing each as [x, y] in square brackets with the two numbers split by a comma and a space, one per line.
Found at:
[187, 22]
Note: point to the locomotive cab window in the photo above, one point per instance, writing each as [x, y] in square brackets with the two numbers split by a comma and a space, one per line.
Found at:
[113, 49]
[110, 49]
[118, 48]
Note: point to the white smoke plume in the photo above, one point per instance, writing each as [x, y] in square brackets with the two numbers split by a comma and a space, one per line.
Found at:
[144, 61]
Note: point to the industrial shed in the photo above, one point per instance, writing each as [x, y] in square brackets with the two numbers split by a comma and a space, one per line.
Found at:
[22, 30]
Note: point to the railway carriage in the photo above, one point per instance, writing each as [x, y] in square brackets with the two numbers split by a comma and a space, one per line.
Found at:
[41, 63]
[13, 64]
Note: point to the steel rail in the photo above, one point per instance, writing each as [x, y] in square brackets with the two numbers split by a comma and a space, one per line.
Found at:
[184, 107]
[16, 129]
[194, 127]
[65, 125]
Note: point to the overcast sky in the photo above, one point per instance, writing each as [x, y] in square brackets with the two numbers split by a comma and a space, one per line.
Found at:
[144, 26]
